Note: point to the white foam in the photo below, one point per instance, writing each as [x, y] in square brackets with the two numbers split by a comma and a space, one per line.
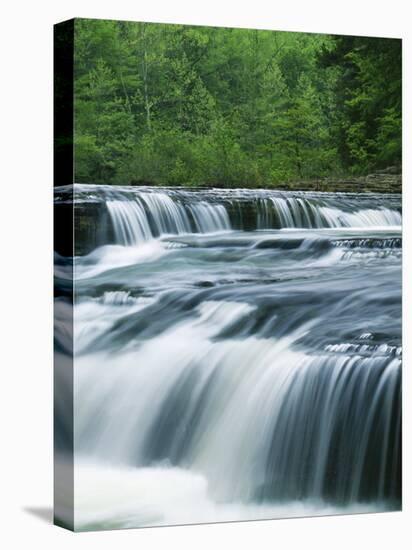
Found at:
[122, 497]
[110, 257]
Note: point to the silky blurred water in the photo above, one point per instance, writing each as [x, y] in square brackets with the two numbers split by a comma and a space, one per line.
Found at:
[226, 373]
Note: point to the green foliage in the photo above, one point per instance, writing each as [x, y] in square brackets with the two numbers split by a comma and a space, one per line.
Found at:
[367, 100]
[178, 105]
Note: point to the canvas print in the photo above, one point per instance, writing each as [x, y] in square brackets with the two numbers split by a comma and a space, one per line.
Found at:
[228, 254]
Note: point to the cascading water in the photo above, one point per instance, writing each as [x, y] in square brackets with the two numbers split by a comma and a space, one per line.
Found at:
[152, 214]
[142, 214]
[237, 356]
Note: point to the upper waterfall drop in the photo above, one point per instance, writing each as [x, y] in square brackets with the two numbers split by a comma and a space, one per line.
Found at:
[139, 214]
[129, 221]
[150, 215]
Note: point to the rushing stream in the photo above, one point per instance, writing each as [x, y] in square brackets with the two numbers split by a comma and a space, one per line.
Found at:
[237, 356]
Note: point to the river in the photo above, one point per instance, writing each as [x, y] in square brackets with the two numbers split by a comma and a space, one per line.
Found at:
[237, 356]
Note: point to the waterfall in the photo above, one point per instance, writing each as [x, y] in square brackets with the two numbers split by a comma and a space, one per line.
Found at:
[363, 218]
[210, 217]
[259, 419]
[130, 221]
[237, 355]
[297, 212]
[141, 215]
[154, 214]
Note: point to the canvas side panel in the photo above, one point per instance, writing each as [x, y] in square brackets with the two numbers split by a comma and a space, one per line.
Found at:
[63, 275]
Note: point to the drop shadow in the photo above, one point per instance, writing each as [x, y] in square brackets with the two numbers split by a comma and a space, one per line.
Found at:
[41, 512]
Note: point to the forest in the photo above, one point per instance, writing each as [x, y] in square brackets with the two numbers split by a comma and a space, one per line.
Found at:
[164, 104]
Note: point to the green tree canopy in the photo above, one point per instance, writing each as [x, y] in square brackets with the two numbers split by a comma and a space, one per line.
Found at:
[181, 105]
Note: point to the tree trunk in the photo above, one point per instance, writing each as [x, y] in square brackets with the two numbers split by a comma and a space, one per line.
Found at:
[145, 78]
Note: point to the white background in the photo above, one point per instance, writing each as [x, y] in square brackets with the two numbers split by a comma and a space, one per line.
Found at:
[26, 272]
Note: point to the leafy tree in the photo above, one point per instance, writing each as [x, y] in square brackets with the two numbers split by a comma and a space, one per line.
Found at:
[368, 97]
